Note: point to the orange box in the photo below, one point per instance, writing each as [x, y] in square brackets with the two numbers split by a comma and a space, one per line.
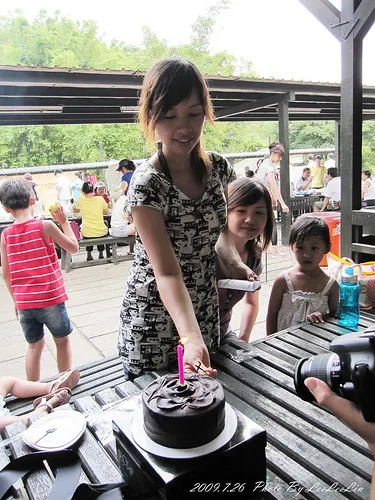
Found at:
[333, 219]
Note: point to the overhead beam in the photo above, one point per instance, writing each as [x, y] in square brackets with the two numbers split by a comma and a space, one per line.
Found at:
[263, 103]
[363, 19]
[326, 13]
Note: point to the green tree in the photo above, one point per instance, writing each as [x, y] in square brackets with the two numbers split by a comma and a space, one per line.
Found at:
[57, 40]
[319, 134]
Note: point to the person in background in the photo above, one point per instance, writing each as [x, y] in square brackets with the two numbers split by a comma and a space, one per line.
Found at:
[77, 186]
[332, 193]
[249, 221]
[267, 173]
[347, 412]
[305, 292]
[258, 164]
[178, 205]
[92, 209]
[29, 262]
[101, 190]
[126, 167]
[121, 222]
[310, 161]
[368, 189]
[63, 191]
[330, 162]
[318, 173]
[29, 178]
[37, 207]
[304, 182]
[249, 173]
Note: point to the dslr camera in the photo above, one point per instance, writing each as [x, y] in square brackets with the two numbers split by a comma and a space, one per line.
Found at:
[349, 370]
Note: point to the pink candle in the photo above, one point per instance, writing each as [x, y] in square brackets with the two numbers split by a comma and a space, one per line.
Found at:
[180, 359]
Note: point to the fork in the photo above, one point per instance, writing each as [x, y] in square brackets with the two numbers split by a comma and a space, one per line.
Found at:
[48, 431]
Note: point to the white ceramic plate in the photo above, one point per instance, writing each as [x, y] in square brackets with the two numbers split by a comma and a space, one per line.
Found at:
[69, 426]
[141, 438]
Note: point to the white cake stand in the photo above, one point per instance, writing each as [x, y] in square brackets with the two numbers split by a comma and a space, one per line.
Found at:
[142, 439]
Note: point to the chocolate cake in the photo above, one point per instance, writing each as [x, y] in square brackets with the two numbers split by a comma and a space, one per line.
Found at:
[187, 416]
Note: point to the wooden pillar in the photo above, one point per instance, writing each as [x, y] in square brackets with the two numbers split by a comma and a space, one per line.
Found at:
[351, 126]
[283, 109]
[349, 26]
[337, 144]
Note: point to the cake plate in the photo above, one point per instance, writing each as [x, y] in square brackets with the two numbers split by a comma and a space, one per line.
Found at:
[146, 443]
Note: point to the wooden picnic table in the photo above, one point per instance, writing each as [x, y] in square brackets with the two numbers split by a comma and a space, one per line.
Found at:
[310, 454]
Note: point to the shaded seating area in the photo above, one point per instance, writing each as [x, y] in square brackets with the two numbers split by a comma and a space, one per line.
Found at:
[307, 448]
[112, 241]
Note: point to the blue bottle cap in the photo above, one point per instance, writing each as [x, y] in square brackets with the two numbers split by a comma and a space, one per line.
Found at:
[348, 276]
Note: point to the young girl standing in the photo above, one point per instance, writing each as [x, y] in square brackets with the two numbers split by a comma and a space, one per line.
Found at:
[305, 292]
[179, 208]
[250, 223]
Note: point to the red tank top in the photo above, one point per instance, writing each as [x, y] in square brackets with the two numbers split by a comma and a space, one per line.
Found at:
[35, 274]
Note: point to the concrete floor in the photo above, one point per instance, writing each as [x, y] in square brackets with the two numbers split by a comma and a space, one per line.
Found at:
[95, 294]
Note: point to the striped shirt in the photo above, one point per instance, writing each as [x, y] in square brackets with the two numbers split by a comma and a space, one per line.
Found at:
[35, 274]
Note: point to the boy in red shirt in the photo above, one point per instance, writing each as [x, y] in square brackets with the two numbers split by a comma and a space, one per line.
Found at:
[33, 275]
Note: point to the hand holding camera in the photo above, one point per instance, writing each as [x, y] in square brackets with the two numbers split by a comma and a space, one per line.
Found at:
[344, 410]
[349, 370]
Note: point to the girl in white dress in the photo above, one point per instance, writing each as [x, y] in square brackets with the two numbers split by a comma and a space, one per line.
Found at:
[305, 292]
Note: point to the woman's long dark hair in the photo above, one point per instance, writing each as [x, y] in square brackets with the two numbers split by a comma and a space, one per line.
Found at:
[165, 85]
[244, 192]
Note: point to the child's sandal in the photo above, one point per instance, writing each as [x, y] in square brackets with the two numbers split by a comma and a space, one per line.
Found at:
[69, 379]
[49, 407]
[64, 394]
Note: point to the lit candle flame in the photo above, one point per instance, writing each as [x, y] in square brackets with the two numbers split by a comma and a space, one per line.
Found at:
[183, 340]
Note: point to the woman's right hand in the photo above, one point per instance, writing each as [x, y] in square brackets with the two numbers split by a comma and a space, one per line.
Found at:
[196, 358]
[285, 209]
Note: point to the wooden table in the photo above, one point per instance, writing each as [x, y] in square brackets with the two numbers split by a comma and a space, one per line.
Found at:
[310, 454]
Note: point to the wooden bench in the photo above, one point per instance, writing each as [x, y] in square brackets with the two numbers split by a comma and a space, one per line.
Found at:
[112, 241]
[363, 233]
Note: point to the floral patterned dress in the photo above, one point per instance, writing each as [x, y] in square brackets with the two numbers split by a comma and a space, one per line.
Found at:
[147, 336]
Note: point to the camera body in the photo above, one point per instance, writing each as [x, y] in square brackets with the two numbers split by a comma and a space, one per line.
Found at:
[349, 370]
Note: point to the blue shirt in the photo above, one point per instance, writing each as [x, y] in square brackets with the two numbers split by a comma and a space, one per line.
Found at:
[127, 178]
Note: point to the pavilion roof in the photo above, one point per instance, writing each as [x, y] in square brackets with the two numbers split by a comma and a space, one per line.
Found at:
[39, 95]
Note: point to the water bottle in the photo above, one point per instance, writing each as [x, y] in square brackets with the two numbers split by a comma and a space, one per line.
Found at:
[349, 298]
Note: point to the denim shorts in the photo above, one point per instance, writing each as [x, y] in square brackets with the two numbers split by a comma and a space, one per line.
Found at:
[55, 318]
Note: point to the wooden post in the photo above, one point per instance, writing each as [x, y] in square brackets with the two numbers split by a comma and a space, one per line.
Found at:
[283, 109]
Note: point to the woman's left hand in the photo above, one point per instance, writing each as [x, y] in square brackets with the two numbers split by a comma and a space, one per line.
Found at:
[197, 359]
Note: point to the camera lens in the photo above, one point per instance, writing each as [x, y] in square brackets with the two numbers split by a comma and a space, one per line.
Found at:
[326, 367]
